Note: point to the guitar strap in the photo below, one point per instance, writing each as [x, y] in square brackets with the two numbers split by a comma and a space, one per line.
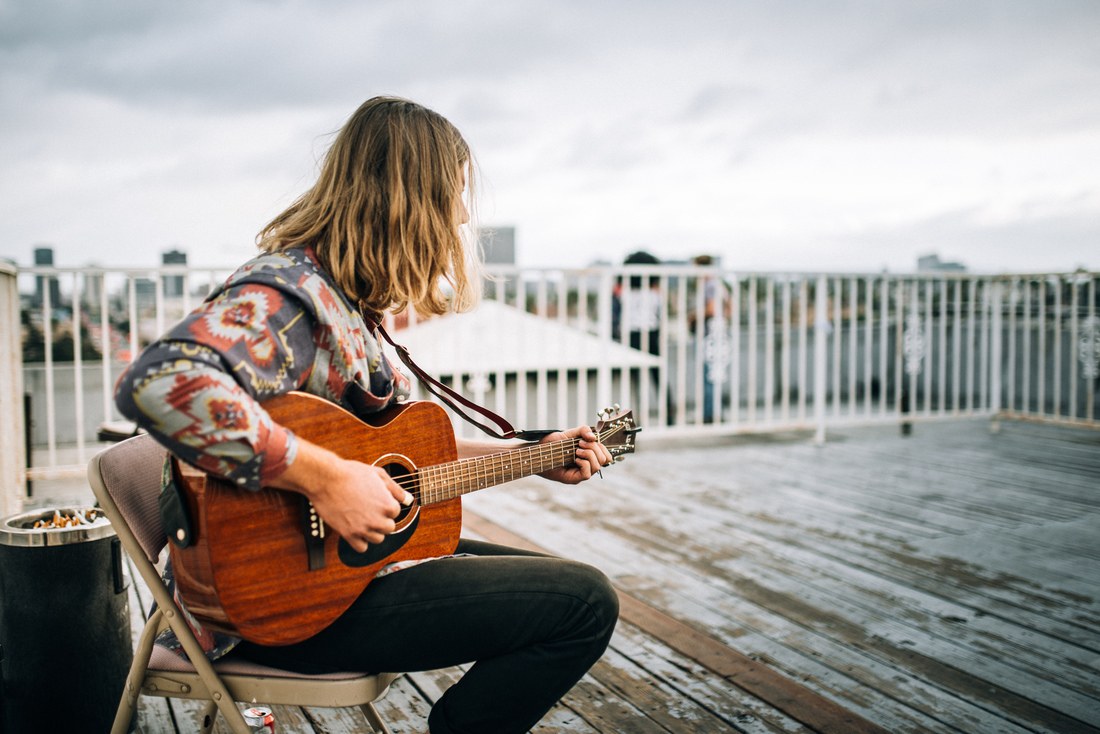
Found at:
[449, 396]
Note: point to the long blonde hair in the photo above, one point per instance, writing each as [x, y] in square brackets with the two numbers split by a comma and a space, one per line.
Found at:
[382, 216]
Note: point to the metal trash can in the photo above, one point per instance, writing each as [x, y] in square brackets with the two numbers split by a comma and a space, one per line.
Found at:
[64, 624]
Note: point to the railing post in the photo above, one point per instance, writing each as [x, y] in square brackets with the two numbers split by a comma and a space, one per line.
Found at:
[821, 327]
[13, 473]
[997, 298]
[604, 330]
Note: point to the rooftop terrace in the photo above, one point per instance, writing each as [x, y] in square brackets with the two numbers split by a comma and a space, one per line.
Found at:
[945, 581]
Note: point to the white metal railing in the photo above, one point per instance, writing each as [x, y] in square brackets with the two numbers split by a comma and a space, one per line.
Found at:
[693, 350]
[13, 458]
[98, 318]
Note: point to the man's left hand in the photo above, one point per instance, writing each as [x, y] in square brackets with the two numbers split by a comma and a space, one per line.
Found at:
[591, 456]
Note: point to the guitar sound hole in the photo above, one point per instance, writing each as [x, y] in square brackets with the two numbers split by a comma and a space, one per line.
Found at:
[399, 472]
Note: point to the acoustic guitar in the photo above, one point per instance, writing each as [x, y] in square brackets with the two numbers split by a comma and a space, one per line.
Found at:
[262, 565]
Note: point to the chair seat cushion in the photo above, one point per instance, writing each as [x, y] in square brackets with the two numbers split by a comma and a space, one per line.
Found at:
[167, 661]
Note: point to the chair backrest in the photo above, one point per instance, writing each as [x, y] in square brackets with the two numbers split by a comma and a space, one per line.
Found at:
[131, 473]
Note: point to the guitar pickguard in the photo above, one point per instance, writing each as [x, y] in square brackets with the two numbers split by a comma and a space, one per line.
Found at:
[375, 553]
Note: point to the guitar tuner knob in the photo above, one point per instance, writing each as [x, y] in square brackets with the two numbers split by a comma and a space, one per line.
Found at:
[609, 412]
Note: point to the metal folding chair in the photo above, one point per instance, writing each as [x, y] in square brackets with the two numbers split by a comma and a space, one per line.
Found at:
[126, 480]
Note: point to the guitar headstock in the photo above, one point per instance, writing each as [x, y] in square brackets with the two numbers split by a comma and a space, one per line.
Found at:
[616, 430]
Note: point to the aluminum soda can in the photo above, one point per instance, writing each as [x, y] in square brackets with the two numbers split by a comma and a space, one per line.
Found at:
[259, 719]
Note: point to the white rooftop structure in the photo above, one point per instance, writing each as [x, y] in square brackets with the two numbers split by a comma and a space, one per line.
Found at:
[497, 337]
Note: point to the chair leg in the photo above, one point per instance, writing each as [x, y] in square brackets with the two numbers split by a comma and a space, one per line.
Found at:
[135, 677]
[124, 714]
[374, 720]
[228, 709]
[127, 704]
[209, 717]
[234, 719]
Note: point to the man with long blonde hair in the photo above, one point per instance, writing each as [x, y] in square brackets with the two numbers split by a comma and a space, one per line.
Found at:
[380, 231]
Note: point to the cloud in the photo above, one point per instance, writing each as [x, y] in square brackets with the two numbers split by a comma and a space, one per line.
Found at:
[600, 126]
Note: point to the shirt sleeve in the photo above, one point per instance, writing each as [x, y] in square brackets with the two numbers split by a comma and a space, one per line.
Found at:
[198, 388]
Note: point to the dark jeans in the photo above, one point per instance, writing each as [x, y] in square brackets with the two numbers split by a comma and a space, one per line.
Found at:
[531, 624]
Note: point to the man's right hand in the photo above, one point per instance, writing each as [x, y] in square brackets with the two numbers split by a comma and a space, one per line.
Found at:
[358, 501]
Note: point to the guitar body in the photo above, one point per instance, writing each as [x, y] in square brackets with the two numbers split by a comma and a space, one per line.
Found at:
[248, 570]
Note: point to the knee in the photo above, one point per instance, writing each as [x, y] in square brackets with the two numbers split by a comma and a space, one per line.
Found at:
[608, 602]
[595, 589]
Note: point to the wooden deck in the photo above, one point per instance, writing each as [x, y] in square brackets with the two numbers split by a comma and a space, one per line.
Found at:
[943, 582]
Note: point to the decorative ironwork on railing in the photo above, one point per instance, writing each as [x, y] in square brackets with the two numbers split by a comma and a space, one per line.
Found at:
[692, 349]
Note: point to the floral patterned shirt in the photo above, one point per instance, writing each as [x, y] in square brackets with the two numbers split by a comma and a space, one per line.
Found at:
[279, 323]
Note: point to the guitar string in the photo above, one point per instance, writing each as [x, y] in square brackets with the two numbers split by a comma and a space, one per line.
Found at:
[544, 452]
[555, 451]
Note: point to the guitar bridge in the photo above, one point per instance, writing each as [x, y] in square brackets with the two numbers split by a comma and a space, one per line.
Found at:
[314, 536]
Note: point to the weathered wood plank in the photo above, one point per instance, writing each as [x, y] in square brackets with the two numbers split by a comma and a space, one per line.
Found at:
[1025, 646]
[816, 712]
[694, 681]
[728, 619]
[1012, 641]
[403, 709]
[866, 543]
[989, 638]
[655, 587]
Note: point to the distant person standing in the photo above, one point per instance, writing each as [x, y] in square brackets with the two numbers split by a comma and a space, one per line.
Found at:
[640, 308]
[714, 344]
[636, 317]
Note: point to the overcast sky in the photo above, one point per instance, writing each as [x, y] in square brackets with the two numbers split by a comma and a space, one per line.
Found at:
[780, 135]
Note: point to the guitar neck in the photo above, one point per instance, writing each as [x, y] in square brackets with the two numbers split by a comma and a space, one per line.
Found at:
[446, 481]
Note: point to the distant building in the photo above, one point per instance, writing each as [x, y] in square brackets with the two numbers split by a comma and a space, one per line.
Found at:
[92, 289]
[43, 257]
[173, 284]
[933, 264]
[498, 244]
[145, 292]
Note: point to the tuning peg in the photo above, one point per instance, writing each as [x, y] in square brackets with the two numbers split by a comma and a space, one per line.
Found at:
[609, 412]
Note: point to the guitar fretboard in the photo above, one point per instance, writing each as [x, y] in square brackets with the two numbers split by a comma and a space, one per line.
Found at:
[447, 481]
